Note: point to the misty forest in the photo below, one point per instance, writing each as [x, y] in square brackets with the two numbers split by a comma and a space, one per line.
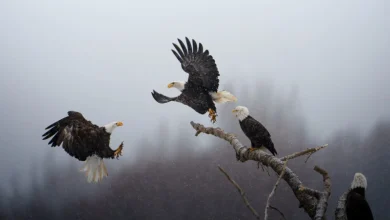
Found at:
[189, 184]
[326, 108]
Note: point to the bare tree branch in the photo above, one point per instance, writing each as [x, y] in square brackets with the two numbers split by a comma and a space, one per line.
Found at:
[311, 204]
[281, 213]
[308, 157]
[324, 196]
[242, 193]
[273, 192]
[340, 213]
[309, 151]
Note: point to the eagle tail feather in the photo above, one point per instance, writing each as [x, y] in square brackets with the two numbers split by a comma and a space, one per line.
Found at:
[223, 96]
[272, 150]
[95, 169]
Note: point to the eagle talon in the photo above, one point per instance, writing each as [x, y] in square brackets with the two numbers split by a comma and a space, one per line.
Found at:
[212, 115]
[251, 149]
[118, 152]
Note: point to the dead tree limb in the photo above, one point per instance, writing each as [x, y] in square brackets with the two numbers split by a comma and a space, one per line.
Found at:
[268, 206]
[281, 213]
[309, 151]
[340, 213]
[323, 196]
[312, 204]
[242, 193]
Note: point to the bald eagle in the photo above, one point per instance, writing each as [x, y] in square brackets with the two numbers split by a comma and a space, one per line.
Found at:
[258, 135]
[356, 204]
[84, 141]
[201, 90]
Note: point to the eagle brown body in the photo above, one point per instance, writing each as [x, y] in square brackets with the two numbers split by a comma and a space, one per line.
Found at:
[84, 141]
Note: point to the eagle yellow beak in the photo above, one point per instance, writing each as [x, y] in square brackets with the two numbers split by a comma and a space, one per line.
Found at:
[234, 110]
[170, 85]
[119, 124]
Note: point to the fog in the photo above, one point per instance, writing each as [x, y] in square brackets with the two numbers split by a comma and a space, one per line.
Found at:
[322, 66]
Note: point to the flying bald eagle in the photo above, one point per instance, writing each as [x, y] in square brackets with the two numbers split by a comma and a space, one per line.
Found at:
[258, 135]
[201, 90]
[84, 141]
[357, 206]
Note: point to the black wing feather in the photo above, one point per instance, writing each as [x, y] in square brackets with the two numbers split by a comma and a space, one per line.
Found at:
[178, 50]
[189, 46]
[195, 46]
[205, 54]
[357, 207]
[160, 98]
[79, 137]
[183, 47]
[200, 48]
[177, 56]
[200, 66]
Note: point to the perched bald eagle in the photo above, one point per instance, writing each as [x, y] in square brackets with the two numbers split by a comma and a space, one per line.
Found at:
[258, 135]
[85, 141]
[201, 90]
[356, 204]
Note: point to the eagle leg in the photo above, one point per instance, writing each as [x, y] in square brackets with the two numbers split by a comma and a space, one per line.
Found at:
[118, 151]
[213, 115]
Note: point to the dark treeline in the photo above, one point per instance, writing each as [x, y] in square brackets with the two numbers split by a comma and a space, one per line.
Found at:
[190, 186]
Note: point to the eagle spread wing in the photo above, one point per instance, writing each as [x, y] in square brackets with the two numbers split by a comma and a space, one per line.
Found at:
[79, 137]
[357, 207]
[199, 65]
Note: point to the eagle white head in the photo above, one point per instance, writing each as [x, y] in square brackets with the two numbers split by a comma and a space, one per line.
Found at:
[111, 126]
[359, 181]
[177, 84]
[241, 112]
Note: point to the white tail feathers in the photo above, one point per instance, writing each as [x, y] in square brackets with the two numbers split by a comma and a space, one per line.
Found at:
[223, 96]
[94, 169]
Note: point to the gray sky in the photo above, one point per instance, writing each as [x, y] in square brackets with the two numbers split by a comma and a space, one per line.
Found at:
[104, 58]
